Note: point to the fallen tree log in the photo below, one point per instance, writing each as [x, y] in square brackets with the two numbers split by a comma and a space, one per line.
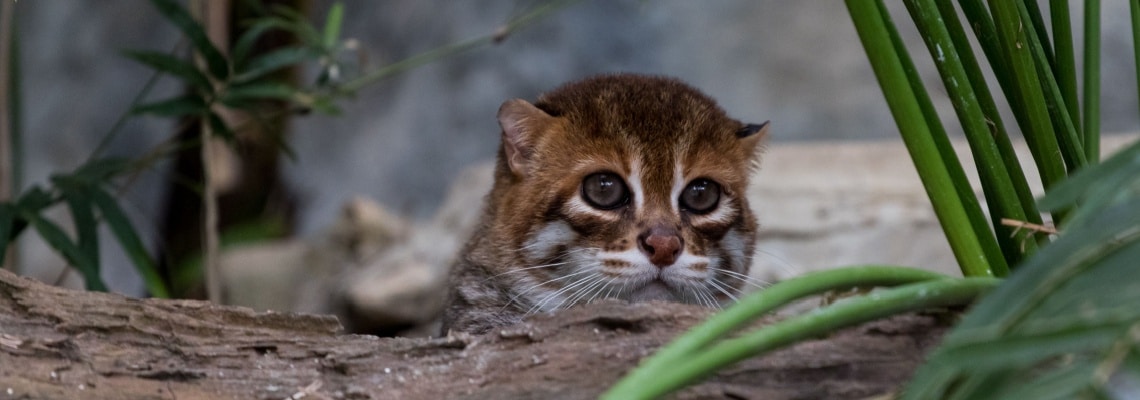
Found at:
[64, 344]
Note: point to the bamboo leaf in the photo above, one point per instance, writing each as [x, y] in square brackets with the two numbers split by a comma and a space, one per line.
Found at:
[333, 23]
[173, 107]
[58, 240]
[102, 169]
[121, 226]
[244, 45]
[174, 66]
[258, 91]
[273, 61]
[33, 200]
[219, 127]
[297, 23]
[78, 202]
[215, 61]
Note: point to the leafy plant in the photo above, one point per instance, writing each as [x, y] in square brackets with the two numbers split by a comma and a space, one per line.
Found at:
[1065, 324]
[243, 81]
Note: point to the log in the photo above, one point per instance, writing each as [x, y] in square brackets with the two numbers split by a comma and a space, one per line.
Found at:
[64, 344]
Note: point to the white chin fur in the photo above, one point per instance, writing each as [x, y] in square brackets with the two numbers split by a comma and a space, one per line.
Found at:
[655, 290]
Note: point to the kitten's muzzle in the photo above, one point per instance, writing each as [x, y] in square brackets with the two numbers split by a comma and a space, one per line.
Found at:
[661, 244]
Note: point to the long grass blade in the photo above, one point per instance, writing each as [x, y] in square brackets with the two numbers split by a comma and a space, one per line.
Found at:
[1038, 128]
[1072, 148]
[764, 301]
[1092, 76]
[1065, 68]
[997, 185]
[989, 107]
[981, 236]
[1037, 22]
[916, 296]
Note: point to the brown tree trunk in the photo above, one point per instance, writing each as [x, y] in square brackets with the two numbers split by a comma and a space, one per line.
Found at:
[63, 344]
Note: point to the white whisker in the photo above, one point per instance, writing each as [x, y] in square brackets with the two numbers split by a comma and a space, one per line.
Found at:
[720, 286]
[757, 283]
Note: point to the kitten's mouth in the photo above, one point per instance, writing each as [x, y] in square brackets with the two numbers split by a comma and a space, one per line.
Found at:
[654, 290]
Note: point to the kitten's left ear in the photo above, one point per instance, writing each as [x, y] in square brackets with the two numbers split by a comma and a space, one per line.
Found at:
[750, 136]
[521, 122]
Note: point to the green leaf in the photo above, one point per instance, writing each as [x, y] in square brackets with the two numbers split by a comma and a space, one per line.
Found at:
[173, 107]
[121, 226]
[102, 169]
[244, 45]
[58, 240]
[7, 225]
[273, 61]
[34, 199]
[1077, 187]
[324, 105]
[239, 95]
[174, 66]
[333, 22]
[75, 195]
[298, 24]
[219, 127]
[1074, 300]
[215, 61]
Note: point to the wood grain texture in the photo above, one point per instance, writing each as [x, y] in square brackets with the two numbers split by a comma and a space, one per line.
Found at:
[64, 344]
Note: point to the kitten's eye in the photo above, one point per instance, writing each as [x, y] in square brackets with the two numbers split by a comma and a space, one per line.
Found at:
[701, 196]
[605, 191]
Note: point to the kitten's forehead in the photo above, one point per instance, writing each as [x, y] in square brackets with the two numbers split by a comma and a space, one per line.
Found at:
[652, 110]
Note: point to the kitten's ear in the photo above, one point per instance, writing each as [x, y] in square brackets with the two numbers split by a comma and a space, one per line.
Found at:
[750, 136]
[522, 122]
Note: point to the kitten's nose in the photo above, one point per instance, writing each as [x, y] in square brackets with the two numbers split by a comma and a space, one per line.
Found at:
[661, 244]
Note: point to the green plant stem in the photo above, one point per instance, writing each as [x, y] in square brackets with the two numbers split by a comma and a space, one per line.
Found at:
[764, 301]
[1071, 145]
[1037, 23]
[998, 186]
[1092, 74]
[973, 257]
[499, 35]
[849, 312]
[949, 158]
[1065, 68]
[992, 116]
[210, 220]
[1038, 130]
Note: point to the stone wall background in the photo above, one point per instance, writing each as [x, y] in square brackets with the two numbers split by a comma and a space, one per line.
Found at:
[797, 63]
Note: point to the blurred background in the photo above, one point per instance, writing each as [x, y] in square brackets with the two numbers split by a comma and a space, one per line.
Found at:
[404, 140]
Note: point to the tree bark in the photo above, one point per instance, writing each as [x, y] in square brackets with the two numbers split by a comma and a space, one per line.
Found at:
[63, 344]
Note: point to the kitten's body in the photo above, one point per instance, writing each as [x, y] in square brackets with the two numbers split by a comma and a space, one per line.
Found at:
[622, 186]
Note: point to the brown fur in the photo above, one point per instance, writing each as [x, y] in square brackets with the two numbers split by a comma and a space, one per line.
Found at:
[536, 233]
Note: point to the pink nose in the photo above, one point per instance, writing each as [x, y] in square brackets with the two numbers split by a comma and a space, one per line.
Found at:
[661, 244]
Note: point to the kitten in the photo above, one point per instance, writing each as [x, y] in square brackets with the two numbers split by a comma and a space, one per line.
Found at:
[620, 186]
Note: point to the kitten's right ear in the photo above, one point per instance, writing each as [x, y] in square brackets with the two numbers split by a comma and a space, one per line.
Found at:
[521, 122]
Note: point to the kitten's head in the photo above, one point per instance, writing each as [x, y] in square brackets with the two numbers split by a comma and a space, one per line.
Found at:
[623, 186]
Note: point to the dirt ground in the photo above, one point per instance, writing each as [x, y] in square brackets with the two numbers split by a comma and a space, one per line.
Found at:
[64, 344]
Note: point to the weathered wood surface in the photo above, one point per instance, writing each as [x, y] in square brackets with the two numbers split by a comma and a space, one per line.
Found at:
[64, 344]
